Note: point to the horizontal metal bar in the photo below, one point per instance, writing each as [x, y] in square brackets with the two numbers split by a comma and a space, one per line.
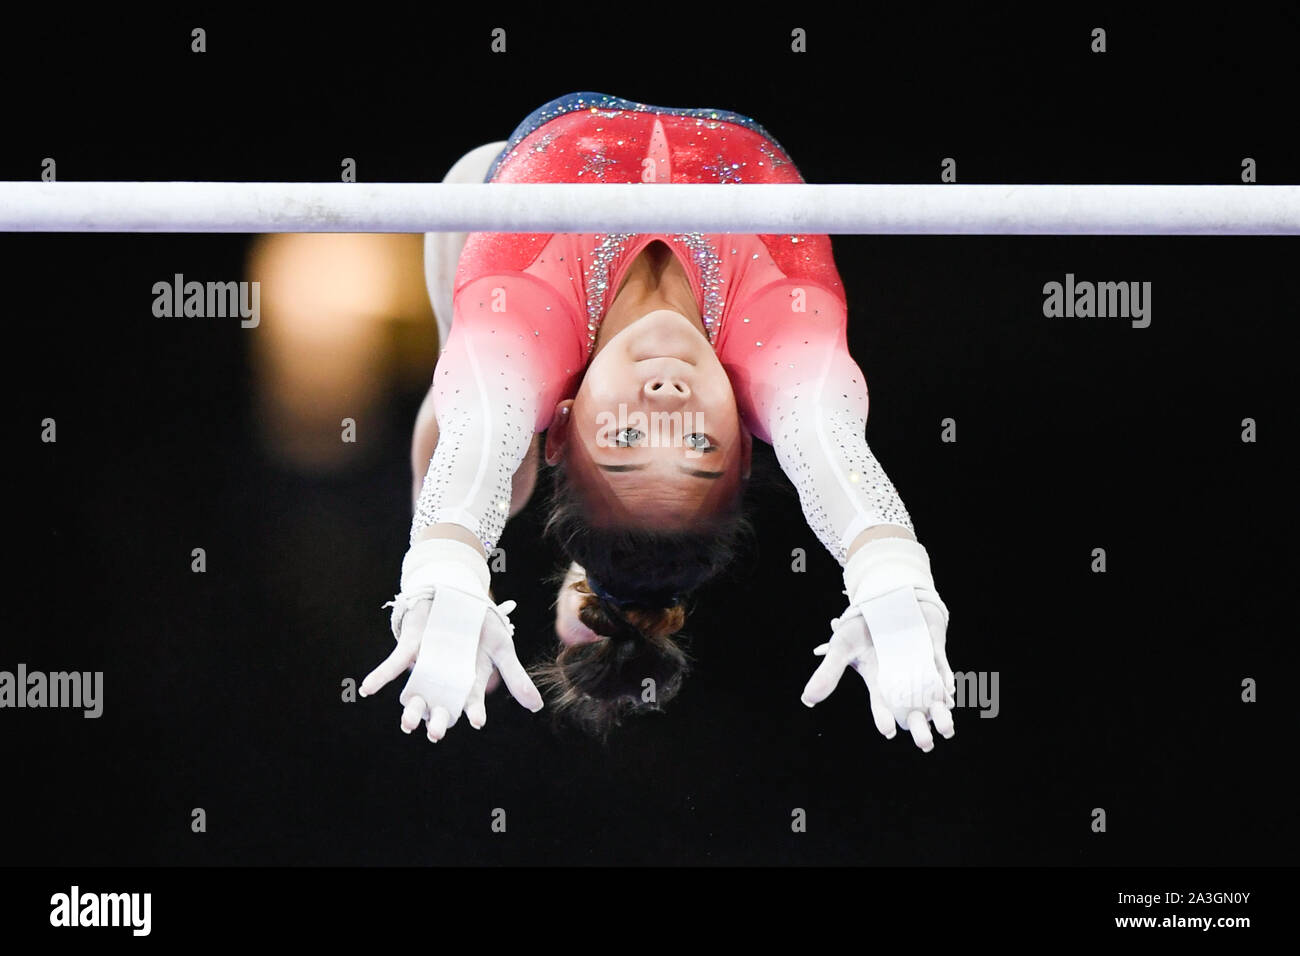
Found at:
[799, 208]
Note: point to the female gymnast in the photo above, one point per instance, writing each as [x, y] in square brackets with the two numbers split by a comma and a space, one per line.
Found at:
[649, 362]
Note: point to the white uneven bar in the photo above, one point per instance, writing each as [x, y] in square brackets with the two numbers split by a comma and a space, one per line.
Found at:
[935, 209]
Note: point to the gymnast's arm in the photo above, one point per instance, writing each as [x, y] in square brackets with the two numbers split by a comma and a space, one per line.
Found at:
[494, 377]
[485, 398]
[801, 391]
[424, 440]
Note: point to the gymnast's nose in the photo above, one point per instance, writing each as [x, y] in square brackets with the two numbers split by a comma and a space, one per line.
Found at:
[666, 388]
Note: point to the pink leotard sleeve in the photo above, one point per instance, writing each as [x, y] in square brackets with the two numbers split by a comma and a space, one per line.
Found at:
[785, 350]
[498, 379]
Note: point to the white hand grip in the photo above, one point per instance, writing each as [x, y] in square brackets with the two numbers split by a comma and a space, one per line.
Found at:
[445, 666]
[908, 677]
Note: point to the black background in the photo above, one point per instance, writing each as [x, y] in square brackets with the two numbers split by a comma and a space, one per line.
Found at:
[222, 690]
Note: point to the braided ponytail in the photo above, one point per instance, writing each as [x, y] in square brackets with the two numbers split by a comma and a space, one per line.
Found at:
[598, 684]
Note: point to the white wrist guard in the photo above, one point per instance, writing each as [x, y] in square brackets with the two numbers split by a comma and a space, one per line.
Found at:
[887, 564]
[445, 561]
[439, 563]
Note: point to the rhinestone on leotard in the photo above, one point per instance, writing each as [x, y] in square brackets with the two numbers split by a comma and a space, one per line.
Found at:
[609, 248]
[706, 260]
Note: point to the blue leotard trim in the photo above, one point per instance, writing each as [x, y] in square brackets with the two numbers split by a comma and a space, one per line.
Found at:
[604, 101]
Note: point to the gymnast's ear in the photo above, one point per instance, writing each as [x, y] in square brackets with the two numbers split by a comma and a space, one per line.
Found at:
[557, 433]
[746, 451]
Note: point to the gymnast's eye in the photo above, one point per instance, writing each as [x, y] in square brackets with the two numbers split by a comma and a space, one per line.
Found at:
[627, 436]
[699, 441]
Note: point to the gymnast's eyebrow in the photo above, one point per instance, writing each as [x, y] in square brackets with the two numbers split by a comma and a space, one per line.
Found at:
[693, 472]
[696, 473]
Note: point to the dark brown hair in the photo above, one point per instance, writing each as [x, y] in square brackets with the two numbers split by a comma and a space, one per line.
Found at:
[645, 577]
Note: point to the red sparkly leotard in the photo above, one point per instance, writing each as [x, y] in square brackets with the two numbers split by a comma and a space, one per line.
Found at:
[527, 308]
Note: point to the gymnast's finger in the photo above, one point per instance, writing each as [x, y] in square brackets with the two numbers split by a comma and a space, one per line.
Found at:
[413, 714]
[882, 716]
[476, 711]
[394, 665]
[920, 729]
[475, 707]
[942, 718]
[437, 725]
[518, 682]
[402, 656]
[827, 676]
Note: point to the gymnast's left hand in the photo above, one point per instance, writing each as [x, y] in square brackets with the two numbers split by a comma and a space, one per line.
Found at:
[451, 635]
[894, 635]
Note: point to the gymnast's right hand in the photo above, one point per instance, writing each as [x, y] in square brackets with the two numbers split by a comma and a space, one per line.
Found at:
[450, 633]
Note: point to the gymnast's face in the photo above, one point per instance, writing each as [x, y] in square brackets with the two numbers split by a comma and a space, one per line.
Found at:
[653, 436]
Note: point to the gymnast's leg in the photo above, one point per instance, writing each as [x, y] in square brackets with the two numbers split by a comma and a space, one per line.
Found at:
[442, 249]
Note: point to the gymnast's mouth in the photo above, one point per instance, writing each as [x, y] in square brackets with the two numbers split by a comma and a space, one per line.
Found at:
[668, 367]
[667, 359]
